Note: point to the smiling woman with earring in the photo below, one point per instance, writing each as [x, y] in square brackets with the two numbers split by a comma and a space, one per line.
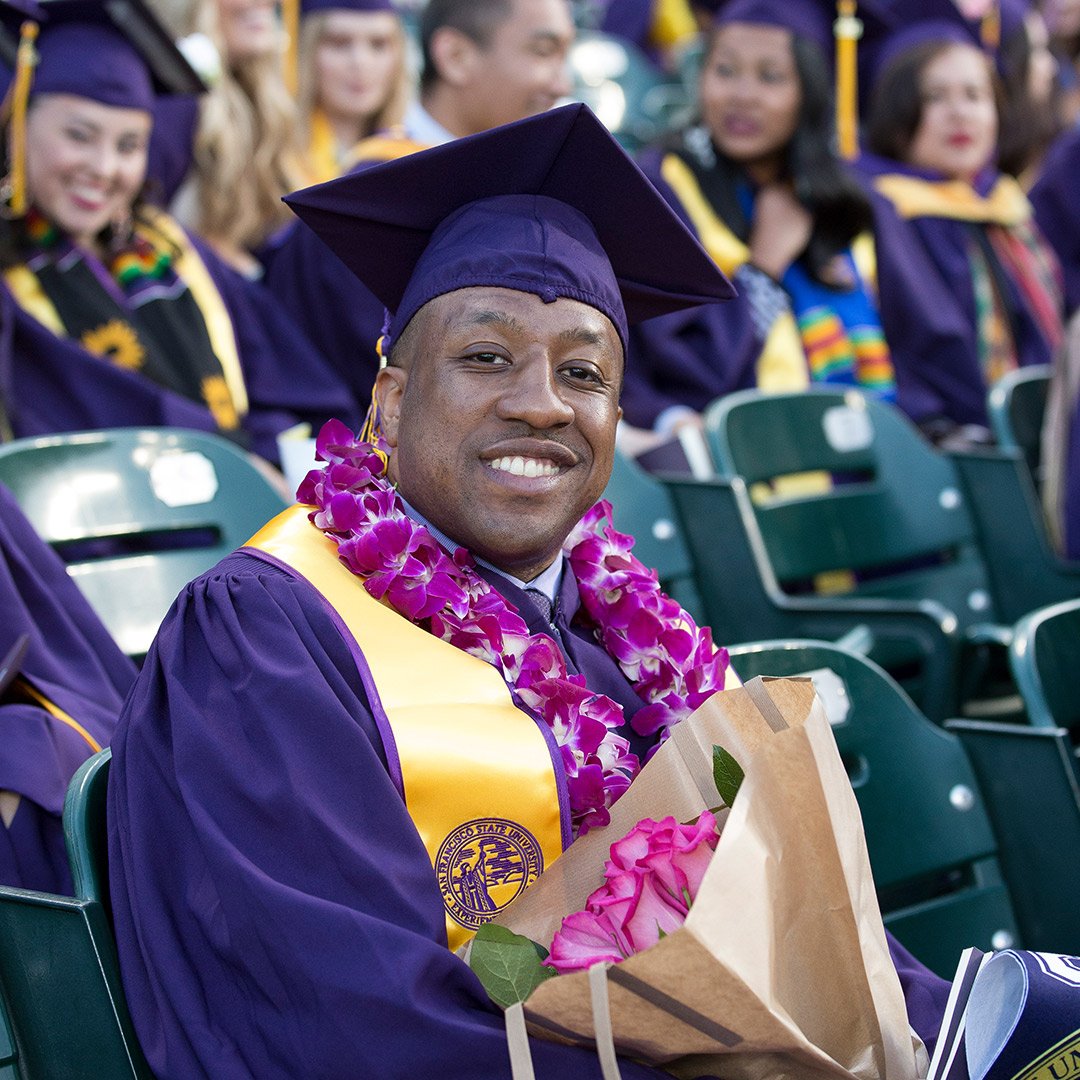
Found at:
[113, 315]
[957, 239]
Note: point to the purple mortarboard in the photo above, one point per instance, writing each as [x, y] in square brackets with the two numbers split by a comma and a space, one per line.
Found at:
[309, 7]
[917, 22]
[116, 53]
[550, 205]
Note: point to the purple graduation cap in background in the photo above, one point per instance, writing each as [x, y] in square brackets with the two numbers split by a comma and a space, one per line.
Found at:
[309, 7]
[115, 53]
[550, 205]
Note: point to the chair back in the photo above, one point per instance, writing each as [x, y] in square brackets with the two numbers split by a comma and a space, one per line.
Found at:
[1030, 781]
[1043, 656]
[85, 831]
[642, 507]
[886, 507]
[137, 513]
[932, 850]
[1016, 404]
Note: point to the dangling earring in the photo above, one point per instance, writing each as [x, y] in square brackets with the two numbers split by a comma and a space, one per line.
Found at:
[7, 190]
[121, 230]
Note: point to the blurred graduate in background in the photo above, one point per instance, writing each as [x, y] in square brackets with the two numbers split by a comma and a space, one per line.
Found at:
[114, 315]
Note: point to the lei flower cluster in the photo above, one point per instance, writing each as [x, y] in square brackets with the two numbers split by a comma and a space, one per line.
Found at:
[671, 663]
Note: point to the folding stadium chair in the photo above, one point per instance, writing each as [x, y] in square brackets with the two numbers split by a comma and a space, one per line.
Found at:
[63, 1013]
[1016, 404]
[1028, 776]
[932, 849]
[1044, 656]
[137, 513]
[642, 507]
[892, 524]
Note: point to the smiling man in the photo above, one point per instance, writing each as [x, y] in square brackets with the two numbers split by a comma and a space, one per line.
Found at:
[357, 739]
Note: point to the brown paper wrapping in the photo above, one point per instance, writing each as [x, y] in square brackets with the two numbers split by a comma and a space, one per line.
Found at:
[782, 968]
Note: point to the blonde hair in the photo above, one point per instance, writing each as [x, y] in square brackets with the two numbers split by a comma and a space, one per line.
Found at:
[307, 90]
[244, 154]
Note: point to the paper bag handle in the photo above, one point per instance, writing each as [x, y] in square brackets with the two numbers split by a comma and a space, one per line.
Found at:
[517, 1036]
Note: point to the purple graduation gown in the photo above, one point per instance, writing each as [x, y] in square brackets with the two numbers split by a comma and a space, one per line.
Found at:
[689, 357]
[928, 308]
[50, 384]
[1057, 212]
[276, 912]
[74, 662]
[342, 317]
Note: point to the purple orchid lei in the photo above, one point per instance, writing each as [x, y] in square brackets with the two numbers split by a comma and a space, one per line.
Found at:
[670, 661]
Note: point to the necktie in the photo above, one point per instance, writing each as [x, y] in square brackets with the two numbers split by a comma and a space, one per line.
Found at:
[541, 601]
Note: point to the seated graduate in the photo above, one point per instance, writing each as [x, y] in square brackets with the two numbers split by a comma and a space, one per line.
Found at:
[115, 316]
[59, 700]
[485, 62]
[957, 242]
[759, 183]
[1054, 200]
[352, 80]
[296, 754]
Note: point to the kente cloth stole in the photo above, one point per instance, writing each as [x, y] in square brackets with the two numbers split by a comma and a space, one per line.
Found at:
[477, 772]
[154, 309]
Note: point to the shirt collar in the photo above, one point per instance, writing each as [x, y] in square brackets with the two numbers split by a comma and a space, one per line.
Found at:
[423, 128]
[547, 581]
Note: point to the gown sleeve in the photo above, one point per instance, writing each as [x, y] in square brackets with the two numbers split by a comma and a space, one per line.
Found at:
[276, 912]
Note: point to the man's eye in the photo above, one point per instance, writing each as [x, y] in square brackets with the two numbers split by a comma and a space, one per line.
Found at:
[486, 357]
[584, 374]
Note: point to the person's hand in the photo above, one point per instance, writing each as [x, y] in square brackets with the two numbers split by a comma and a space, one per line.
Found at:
[781, 229]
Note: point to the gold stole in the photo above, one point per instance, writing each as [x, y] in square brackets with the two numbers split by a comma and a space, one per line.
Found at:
[479, 781]
[782, 365]
[1005, 204]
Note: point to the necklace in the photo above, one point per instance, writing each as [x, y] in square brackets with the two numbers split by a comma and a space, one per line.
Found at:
[671, 662]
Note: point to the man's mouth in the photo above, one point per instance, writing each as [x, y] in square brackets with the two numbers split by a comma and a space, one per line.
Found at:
[525, 466]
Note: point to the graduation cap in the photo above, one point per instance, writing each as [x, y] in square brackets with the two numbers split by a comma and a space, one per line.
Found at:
[920, 21]
[835, 26]
[112, 51]
[550, 205]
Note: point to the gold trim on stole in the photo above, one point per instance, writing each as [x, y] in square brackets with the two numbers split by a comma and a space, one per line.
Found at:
[479, 781]
[781, 366]
[1006, 203]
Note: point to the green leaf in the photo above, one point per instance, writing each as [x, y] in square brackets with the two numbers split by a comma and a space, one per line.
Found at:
[727, 773]
[507, 964]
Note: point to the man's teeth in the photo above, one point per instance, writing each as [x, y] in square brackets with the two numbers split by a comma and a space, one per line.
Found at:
[523, 466]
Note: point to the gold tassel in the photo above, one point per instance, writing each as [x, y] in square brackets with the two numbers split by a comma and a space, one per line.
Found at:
[990, 28]
[847, 29]
[290, 16]
[20, 95]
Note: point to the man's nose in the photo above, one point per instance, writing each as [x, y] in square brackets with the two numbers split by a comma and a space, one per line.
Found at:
[562, 82]
[535, 396]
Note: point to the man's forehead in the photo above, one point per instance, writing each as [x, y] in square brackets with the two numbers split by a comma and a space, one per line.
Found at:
[539, 19]
[520, 312]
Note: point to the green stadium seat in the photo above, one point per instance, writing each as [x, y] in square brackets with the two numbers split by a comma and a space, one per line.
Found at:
[932, 849]
[137, 513]
[1016, 404]
[1029, 779]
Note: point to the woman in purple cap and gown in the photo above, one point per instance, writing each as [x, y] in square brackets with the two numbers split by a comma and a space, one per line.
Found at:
[60, 696]
[114, 315]
[352, 80]
[759, 184]
[957, 241]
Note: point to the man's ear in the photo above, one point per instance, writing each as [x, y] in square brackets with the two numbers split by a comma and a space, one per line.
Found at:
[389, 389]
[455, 56]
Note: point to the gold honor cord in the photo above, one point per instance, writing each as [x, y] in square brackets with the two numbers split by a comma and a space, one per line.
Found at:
[478, 776]
[38, 698]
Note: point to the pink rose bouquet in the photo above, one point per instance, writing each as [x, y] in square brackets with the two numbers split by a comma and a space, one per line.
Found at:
[652, 878]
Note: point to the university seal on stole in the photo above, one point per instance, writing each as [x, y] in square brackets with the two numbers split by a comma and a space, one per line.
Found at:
[483, 865]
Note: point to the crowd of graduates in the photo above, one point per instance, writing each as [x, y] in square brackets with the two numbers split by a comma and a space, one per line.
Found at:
[914, 234]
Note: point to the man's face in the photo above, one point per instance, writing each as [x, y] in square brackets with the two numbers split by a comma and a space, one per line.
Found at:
[522, 71]
[502, 420]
